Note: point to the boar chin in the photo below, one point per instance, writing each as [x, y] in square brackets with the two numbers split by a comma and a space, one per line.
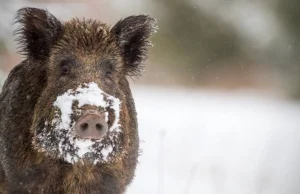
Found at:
[57, 138]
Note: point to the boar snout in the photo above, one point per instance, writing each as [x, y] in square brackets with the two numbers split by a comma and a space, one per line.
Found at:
[92, 125]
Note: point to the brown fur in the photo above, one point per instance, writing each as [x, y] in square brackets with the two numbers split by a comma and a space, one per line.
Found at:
[92, 49]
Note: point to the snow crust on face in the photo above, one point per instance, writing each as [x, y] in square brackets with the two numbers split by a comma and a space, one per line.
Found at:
[91, 94]
[63, 126]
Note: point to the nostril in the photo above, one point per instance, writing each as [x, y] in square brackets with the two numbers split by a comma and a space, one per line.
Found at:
[84, 126]
[99, 127]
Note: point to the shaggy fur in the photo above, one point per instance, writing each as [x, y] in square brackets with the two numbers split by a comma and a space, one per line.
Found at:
[61, 56]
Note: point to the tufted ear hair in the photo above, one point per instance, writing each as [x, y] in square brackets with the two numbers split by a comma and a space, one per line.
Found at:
[37, 33]
[132, 35]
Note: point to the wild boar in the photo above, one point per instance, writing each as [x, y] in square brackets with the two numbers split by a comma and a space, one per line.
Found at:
[68, 122]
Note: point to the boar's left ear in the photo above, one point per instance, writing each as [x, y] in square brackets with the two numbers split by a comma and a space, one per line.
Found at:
[132, 34]
[37, 33]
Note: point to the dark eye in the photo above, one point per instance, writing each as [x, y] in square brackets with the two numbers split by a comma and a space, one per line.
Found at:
[64, 68]
[108, 68]
[108, 74]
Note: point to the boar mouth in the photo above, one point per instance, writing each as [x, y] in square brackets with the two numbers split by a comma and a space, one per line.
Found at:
[58, 137]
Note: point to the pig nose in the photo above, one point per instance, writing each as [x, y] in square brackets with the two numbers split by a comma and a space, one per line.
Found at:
[91, 126]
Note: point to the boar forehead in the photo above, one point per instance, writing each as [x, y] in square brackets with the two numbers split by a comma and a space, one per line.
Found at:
[87, 37]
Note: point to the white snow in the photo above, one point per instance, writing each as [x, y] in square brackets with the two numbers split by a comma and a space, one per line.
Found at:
[209, 142]
[107, 151]
[90, 94]
[86, 94]
[116, 107]
[84, 146]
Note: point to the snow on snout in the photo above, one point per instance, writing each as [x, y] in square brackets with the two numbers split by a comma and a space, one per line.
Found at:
[90, 94]
[70, 147]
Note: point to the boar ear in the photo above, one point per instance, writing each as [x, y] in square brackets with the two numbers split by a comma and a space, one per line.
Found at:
[37, 33]
[132, 34]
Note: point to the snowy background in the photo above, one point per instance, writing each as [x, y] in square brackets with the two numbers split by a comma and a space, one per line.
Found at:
[202, 141]
[218, 105]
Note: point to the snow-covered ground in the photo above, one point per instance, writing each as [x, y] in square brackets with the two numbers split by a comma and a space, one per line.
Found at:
[206, 142]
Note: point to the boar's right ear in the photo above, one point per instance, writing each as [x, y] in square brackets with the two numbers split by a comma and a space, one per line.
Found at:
[132, 34]
[37, 33]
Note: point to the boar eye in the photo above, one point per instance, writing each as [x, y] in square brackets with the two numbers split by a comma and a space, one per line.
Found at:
[65, 68]
[108, 74]
[108, 68]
